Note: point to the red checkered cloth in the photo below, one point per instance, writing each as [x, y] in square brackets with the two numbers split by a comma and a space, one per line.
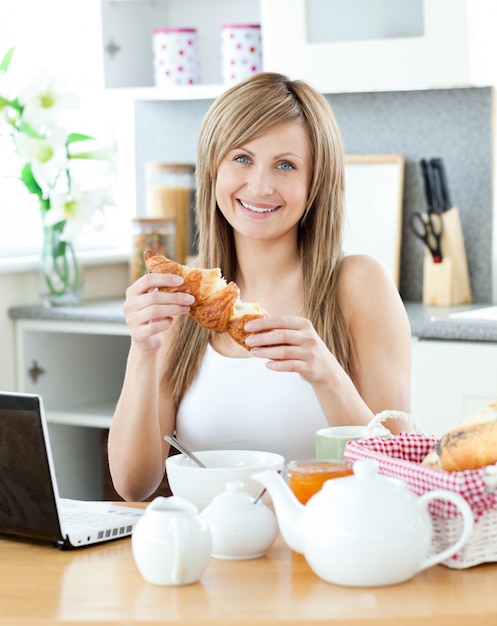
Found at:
[400, 457]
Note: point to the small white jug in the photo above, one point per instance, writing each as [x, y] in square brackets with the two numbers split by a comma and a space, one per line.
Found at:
[171, 543]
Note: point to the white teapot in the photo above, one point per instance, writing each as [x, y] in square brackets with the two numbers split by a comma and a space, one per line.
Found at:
[362, 530]
[171, 543]
[240, 528]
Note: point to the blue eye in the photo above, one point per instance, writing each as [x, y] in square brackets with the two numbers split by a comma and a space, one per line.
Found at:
[242, 158]
[286, 166]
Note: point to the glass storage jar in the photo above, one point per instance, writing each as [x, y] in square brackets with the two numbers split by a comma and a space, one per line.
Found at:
[170, 193]
[158, 234]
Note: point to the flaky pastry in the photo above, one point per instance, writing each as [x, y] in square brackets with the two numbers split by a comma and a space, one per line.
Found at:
[217, 304]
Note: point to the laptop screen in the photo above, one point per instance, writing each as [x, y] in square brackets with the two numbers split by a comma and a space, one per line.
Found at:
[27, 499]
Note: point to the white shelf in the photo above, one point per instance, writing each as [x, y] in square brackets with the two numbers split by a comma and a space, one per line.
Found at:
[94, 416]
[189, 92]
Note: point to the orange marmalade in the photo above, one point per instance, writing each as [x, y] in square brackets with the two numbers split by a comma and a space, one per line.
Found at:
[305, 478]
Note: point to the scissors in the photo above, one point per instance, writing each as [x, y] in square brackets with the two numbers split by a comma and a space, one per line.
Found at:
[429, 227]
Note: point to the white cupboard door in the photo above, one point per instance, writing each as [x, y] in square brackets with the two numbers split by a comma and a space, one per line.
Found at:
[451, 381]
[436, 55]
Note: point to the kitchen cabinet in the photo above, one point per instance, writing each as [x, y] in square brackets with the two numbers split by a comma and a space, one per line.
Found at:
[452, 380]
[127, 27]
[339, 45]
[336, 45]
[78, 368]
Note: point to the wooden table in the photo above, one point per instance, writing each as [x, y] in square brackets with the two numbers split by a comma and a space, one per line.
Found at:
[100, 585]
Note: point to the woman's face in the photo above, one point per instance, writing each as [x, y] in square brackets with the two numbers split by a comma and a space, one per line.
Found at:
[262, 186]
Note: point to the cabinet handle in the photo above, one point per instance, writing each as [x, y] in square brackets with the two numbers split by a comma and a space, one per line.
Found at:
[35, 371]
[112, 48]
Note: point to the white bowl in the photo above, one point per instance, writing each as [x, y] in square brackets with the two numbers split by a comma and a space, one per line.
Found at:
[200, 485]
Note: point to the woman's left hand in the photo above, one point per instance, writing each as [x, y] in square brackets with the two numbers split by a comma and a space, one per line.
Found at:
[292, 345]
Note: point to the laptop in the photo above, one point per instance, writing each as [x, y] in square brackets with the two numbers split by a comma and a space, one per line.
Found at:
[30, 506]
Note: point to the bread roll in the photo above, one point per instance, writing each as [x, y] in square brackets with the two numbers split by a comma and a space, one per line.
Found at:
[488, 414]
[432, 460]
[217, 304]
[469, 446]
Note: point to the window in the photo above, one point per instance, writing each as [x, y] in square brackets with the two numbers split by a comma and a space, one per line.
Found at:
[69, 48]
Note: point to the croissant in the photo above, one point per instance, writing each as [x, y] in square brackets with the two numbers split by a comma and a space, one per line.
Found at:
[217, 303]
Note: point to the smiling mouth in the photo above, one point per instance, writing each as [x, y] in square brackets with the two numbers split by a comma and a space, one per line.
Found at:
[257, 209]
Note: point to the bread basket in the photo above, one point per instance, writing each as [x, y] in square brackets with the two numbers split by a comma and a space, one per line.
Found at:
[400, 457]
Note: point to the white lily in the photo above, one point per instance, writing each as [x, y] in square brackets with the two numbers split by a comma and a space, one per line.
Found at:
[47, 156]
[92, 159]
[76, 208]
[42, 101]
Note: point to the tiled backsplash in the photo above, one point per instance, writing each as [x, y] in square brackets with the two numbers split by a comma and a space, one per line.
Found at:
[455, 124]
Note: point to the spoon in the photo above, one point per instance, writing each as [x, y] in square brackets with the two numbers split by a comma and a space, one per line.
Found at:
[182, 448]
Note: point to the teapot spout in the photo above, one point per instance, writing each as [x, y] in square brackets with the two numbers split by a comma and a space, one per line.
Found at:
[286, 506]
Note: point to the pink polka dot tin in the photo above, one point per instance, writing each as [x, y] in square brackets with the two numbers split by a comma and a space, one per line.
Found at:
[240, 51]
[176, 58]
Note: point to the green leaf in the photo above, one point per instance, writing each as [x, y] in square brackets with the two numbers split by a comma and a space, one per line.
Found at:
[30, 182]
[16, 105]
[73, 137]
[44, 204]
[4, 64]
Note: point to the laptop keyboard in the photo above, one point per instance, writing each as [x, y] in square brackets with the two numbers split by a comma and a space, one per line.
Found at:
[99, 523]
[110, 525]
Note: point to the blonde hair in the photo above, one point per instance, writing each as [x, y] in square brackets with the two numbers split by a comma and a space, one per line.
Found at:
[239, 115]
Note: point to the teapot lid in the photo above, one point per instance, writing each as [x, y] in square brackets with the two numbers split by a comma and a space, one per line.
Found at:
[365, 490]
[366, 468]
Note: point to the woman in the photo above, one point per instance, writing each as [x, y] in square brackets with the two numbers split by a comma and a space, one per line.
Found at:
[336, 347]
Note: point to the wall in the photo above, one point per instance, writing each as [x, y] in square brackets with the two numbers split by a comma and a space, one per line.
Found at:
[101, 282]
[455, 124]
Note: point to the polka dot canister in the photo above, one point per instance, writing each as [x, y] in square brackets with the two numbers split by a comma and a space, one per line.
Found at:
[240, 51]
[176, 58]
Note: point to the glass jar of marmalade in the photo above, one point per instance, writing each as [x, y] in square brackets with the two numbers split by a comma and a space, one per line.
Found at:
[305, 478]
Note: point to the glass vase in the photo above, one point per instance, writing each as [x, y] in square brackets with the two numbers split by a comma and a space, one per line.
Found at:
[61, 277]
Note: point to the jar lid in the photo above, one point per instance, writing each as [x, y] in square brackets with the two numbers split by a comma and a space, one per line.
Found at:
[175, 30]
[153, 220]
[319, 466]
[170, 166]
[241, 26]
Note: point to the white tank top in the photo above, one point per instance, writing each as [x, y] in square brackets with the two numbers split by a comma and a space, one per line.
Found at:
[237, 403]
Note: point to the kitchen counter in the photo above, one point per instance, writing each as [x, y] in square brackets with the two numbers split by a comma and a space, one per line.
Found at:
[426, 322]
[42, 585]
[435, 322]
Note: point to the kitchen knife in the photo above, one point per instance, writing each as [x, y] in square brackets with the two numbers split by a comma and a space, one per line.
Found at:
[438, 167]
[429, 186]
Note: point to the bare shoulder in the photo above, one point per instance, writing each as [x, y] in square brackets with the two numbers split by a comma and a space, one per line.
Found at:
[367, 288]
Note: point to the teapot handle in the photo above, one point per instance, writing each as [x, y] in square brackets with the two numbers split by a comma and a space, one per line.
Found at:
[468, 524]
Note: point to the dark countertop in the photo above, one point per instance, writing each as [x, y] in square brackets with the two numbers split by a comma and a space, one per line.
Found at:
[426, 322]
[434, 322]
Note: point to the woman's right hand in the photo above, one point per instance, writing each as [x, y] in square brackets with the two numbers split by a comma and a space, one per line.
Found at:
[150, 312]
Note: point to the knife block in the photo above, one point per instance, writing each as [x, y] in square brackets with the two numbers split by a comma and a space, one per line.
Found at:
[447, 283]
